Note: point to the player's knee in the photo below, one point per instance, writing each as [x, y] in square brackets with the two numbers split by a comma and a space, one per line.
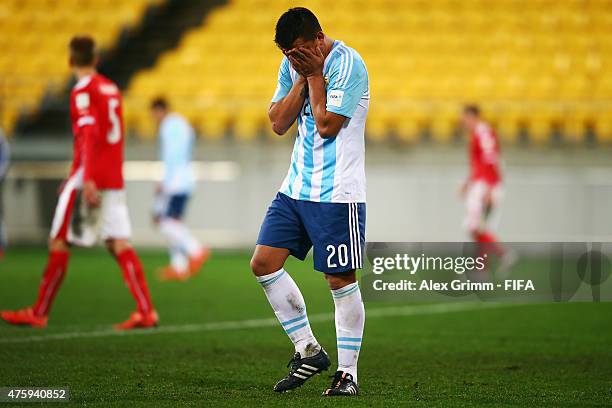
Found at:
[267, 260]
[117, 246]
[258, 266]
[262, 266]
[340, 280]
[58, 245]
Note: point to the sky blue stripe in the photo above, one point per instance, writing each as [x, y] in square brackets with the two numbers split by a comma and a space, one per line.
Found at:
[294, 160]
[344, 71]
[329, 169]
[294, 328]
[335, 55]
[297, 319]
[308, 159]
[346, 293]
[342, 57]
[342, 290]
[351, 65]
[274, 277]
[349, 339]
[270, 281]
[348, 347]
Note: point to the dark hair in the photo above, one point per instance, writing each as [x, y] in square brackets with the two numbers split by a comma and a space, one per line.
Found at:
[472, 109]
[297, 22]
[82, 51]
[159, 103]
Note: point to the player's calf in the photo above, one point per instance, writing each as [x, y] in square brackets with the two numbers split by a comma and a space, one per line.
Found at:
[134, 277]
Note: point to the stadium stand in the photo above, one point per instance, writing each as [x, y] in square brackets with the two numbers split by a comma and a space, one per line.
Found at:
[35, 32]
[537, 67]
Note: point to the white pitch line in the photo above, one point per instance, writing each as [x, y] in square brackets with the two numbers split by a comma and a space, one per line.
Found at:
[412, 310]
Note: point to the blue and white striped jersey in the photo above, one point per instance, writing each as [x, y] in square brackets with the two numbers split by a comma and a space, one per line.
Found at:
[332, 169]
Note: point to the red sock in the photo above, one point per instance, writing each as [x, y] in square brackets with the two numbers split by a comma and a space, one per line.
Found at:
[51, 281]
[134, 277]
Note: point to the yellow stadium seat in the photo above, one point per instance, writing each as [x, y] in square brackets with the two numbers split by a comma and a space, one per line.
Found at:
[248, 122]
[34, 39]
[541, 121]
[509, 123]
[603, 128]
[409, 122]
[575, 124]
[214, 123]
[541, 57]
[378, 124]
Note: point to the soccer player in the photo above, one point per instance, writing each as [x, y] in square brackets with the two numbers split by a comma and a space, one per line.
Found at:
[176, 138]
[321, 204]
[482, 189]
[4, 164]
[95, 110]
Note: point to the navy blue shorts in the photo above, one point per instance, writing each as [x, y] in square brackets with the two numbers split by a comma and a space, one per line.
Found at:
[176, 205]
[335, 231]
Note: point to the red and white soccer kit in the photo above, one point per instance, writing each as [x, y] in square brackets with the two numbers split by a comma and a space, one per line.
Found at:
[95, 110]
[485, 177]
[97, 124]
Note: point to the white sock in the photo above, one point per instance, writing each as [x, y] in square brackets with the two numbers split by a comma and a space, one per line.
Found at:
[178, 234]
[178, 259]
[350, 318]
[288, 305]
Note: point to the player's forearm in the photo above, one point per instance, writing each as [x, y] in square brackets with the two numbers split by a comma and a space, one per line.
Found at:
[283, 113]
[326, 126]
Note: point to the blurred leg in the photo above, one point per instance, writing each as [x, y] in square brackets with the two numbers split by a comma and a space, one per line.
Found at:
[178, 260]
[53, 276]
[133, 273]
[179, 235]
[116, 230]
[57, 262]
[3, 240]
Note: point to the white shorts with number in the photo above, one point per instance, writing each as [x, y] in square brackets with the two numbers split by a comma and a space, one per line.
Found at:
[476, 203]
[81, 225]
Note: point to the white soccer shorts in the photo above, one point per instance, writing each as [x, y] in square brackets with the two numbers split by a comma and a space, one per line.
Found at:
[86, 225]
[475, 202]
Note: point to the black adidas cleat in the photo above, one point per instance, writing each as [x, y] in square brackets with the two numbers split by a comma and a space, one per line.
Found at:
[342, 385]
[302, 369]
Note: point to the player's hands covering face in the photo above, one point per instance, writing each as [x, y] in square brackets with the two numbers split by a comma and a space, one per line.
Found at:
[307, 61]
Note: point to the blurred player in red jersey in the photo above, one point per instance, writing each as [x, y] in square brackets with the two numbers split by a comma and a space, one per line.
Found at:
[95, 110]
[482, 190]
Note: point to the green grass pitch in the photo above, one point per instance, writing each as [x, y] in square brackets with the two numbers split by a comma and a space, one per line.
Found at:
[530, 355]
